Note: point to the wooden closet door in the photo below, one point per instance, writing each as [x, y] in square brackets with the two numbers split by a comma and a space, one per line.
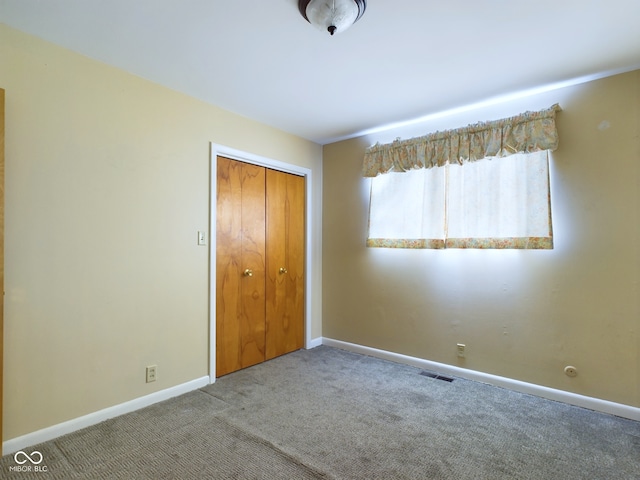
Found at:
[240, 266]
[285, 263]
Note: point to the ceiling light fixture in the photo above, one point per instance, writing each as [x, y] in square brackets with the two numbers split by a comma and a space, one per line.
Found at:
[332, 15]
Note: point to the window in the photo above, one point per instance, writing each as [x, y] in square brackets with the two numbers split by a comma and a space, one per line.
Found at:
[491, 203]
[482, 186]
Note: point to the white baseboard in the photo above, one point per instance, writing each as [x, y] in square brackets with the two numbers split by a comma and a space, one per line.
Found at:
[313, 343]
[15, 444]
[604, 406]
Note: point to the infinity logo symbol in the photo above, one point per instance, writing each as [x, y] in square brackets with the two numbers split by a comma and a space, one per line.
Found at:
[27, 457]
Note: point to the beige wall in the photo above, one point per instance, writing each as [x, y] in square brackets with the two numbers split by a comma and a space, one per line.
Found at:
[522, 314]
[107, 183]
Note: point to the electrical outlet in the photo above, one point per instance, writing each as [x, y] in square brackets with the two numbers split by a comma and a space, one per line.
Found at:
[461, 347]
[152, 374]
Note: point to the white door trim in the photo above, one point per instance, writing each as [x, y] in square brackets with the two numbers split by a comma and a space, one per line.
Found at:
[221, 150]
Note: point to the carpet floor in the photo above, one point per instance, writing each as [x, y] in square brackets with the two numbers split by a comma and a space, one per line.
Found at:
[331, 414]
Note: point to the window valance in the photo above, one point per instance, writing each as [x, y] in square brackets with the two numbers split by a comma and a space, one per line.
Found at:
[524, 133]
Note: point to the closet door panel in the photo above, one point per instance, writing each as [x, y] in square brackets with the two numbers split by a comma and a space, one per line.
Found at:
[240, 239]
[285, 263]
[228, 263]
[252, 319]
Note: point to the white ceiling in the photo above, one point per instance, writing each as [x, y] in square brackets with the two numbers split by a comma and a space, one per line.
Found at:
[404, 59]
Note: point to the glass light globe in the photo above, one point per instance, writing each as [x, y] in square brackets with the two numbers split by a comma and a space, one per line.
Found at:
[332, 15]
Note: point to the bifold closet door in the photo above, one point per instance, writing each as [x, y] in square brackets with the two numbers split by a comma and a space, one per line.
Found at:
[285, 263]
[240, 266]
[260, 238]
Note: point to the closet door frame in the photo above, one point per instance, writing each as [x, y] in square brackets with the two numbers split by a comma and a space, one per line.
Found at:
[234, 154]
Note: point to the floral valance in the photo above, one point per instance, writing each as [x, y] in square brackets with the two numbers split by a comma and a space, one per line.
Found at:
[525, 133]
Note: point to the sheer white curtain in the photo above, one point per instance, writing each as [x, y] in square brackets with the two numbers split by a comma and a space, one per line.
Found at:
[407, 210]
[491, 203]
[499, 202]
